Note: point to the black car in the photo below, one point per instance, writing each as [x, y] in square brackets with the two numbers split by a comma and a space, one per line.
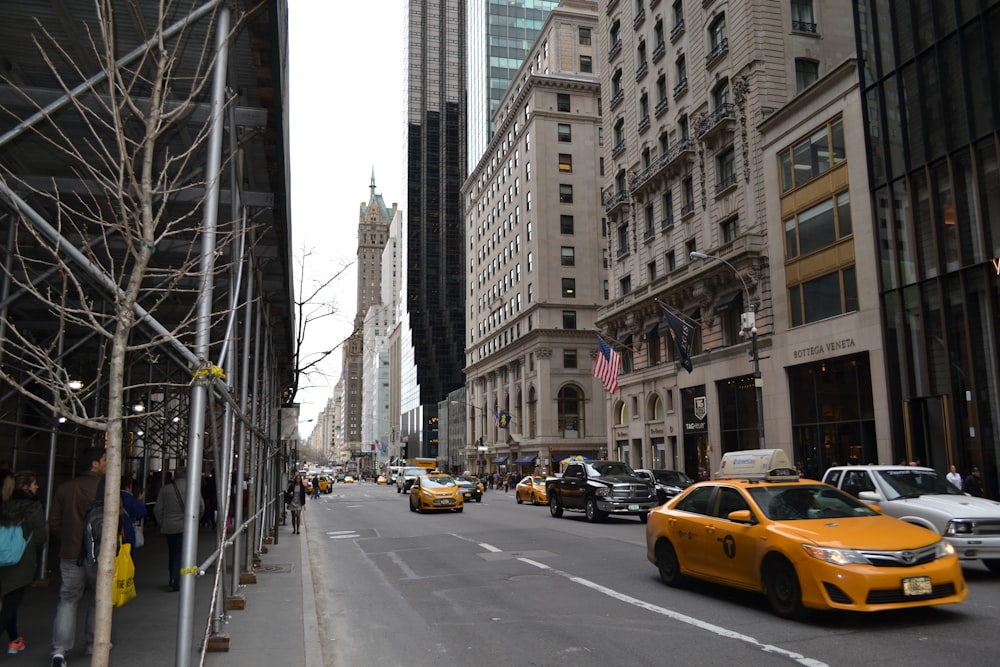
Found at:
[470, 488]
[668, 482]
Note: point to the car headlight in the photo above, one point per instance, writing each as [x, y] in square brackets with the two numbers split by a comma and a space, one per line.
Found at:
[959, 528]
[944, 548]
[835, 556]
[603, 491]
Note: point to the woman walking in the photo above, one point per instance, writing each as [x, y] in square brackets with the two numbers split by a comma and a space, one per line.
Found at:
[20, 507]
[297, 501]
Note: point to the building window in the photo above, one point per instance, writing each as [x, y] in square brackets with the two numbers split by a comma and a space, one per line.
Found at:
[671, 259]
[827, 296]
[725, 166]
[661, 90]
[565, 224]
[565, 132]
[806, 73]
[687, 192]
[616, 86]
[569, 288]
[650, 221]
[720, 94]
[622, 239]
[527, 171]
[530, 263]
[569, 319]
[619, 135]
[567, 255]
[586, 64]
[717, 36]
[651, 271]
[818, 226]
[569, 358]
[527, 139]
[727, 230]
[678, 12]
[565, 193]
[625, 285]
[570, 406]
[644, 110]
[640, 58]
[565, 163]
[585, 36]
[615, 35]
[812, 156]
[803, 19]
[562, 102]
[667, 205]
[527, 200]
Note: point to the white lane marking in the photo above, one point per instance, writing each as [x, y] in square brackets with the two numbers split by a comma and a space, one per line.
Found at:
[342, 534]
[683, 618]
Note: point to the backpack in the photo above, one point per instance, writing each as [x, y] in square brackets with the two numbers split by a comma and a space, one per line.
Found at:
[12, 544]
[93, 525]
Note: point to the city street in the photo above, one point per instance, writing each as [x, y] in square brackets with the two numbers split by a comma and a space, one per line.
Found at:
[503, 584]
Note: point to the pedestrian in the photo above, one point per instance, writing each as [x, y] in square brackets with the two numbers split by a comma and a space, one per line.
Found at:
[135, 508]
[315, 485]
[69, 507]
[296, 501]
[21, 506]
[169, 511]
[973, 485]
[954, 477]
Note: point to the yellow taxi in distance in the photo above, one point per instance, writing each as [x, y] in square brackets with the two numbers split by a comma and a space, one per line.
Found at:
[804, 544]
[325, 484]
[381, 479]
[531, 489]
[435, 492]
[348, 479]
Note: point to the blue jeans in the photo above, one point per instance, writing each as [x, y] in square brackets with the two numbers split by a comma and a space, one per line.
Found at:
[76, 580]
[174, 543]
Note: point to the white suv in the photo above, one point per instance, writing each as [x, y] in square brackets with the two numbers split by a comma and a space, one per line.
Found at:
[919, 496]
[405, 478]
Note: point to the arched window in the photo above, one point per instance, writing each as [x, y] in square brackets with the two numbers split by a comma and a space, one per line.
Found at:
[621, 413]
[570, 407]
[532, 412]
[654, 409]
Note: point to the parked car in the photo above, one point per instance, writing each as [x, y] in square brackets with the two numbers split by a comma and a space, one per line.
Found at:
[803, 544]
[436, 492]
[531, 489]
[668, 483]
[920, 496]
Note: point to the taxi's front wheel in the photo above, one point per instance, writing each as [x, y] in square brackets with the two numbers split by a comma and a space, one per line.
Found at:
[783, 590]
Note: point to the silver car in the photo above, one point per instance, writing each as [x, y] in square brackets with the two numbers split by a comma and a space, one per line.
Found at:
[922, 497]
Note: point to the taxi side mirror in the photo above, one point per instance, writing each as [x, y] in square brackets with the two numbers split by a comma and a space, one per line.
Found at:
[740, 516]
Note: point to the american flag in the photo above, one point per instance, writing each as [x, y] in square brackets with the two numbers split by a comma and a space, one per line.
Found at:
[607, 366]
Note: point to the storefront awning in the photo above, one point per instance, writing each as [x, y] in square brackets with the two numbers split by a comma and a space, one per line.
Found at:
[500, 460]
[527, 458]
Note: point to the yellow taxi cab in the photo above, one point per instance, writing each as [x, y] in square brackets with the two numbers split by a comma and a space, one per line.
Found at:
[381, 480]
[325, 484]
[804, 544]
[348, 479]
[531, 489]
[435, 491]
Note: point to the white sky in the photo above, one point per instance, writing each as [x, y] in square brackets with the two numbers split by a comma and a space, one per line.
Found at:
[346, 98]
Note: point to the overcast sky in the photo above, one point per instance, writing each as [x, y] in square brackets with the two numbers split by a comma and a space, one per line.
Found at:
[346, 85]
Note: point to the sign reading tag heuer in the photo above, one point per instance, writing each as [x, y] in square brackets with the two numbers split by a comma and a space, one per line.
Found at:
[699, 407]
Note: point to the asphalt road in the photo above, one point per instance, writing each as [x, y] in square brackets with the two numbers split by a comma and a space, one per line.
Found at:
[507, 584]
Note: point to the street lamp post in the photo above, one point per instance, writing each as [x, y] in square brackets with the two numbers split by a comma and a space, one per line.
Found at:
[748, 328]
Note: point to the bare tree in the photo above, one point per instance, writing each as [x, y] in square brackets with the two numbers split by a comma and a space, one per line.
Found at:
[109, 225]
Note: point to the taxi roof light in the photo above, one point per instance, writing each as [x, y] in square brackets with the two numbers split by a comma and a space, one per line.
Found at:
[761, 465]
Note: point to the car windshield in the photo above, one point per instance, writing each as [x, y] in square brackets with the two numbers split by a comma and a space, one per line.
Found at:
[608, 468]
[464, 480]
[538, 481]
[913, 482]
[437, 482]
[807, 501]
[672, 478]
[413, 471]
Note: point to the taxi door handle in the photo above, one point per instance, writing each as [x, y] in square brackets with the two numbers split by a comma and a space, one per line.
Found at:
[710, 530]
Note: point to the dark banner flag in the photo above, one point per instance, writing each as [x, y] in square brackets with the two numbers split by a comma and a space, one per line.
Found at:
[683, 336]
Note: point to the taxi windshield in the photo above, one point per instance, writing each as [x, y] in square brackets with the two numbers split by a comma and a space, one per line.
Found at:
[807, 501]
[538, 481]
[437, 482]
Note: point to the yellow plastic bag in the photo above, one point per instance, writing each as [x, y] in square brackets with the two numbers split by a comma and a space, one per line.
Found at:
[124, 585]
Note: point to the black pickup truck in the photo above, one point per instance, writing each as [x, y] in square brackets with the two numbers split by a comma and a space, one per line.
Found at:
[600, 488]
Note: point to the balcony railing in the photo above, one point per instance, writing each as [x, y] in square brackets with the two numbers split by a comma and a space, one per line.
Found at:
[644, 122]
[658, 52]
[614, 200]
[618, 149]
[660, 107]
[639, 18]
[802, 26]
[677, 30]
[717, 51]
[680, 148]
[681, 86]
[725, 112]
[613, 51]
[641, 70]
[726, 182]
[611, 5]
[616, 99]
[687, 209]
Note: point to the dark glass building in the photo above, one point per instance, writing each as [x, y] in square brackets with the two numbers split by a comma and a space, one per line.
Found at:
[435, 144]
[931, 78]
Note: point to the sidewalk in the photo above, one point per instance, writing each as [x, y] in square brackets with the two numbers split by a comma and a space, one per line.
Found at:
[277, 626]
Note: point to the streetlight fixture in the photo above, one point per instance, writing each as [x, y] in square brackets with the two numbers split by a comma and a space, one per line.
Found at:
[748, 328]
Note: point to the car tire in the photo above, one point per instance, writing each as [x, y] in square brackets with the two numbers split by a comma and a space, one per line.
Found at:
[412, 508]
[517, 497]
[644, 517]
[784, 592]
[555, 509]
[594, 515]
[479, 499]
[458, 510]
[668, 565]
[992, 564]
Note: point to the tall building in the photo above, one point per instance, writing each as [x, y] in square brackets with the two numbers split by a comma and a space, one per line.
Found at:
[500, 35]
[373, 231]
[932, 110]
[763, 336]
[535, 278]
[434, 256]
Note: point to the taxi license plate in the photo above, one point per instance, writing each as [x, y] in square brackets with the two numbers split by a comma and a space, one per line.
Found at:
[917, 586]
[633, 507]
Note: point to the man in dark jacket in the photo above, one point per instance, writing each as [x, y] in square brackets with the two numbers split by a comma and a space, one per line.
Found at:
[69, 507]
[973, 484]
